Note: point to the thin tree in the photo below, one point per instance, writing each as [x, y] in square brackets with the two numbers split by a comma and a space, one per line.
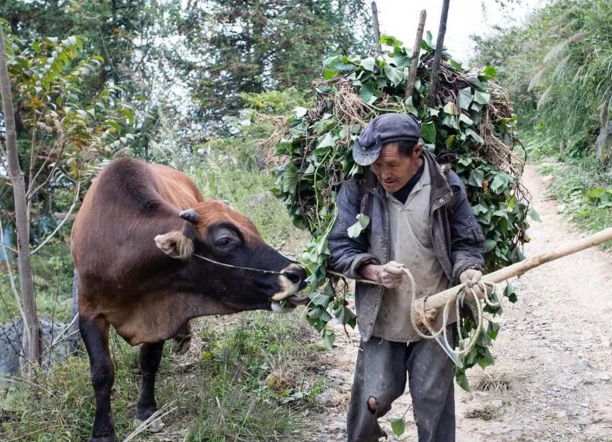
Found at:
[31, 342]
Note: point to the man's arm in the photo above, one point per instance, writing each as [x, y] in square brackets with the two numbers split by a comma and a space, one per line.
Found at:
[467, 239]
[348, 255]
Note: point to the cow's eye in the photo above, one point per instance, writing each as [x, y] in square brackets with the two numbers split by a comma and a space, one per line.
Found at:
[224, 241]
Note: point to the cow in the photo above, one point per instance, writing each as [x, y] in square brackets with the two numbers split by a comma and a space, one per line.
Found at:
[151, 253]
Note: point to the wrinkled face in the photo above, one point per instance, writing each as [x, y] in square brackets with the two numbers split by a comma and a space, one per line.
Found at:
[213, 231]
[393, 169]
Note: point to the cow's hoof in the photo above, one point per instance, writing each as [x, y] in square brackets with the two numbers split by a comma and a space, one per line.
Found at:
[152, 427]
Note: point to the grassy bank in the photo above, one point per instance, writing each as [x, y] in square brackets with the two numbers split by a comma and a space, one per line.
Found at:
[581, 185]
[247, 377]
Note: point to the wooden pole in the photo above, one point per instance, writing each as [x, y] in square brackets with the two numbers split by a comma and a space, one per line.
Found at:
[414, 63]
[433, 84]
[439, 299]
[30, 326]
[376, 28]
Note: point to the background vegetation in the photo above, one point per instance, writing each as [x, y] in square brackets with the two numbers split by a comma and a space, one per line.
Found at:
[557, 67]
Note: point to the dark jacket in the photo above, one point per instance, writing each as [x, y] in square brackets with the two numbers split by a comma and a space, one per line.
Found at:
[456, 235]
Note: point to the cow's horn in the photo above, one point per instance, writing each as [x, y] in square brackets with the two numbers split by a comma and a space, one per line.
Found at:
[190, 215]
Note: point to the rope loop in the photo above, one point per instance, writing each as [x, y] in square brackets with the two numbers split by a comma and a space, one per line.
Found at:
[418, 310]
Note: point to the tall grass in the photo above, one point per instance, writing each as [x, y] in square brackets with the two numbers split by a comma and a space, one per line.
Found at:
[558, 70]
[222, 395]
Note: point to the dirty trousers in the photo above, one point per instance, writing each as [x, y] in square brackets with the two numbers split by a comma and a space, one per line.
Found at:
[381, 374]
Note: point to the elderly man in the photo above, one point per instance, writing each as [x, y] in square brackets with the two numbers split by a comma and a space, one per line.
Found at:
[420, 218]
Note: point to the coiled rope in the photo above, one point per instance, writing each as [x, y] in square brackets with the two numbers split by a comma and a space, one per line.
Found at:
[417, 310]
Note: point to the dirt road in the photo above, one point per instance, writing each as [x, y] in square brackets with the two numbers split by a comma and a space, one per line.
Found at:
[553, 353]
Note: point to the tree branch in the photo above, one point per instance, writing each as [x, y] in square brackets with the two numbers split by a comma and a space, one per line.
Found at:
[48, 238]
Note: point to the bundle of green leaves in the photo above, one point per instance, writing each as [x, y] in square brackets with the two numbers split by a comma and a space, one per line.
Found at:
[471, 128]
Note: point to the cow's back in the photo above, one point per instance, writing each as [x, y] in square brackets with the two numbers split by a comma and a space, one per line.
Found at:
[127, 205]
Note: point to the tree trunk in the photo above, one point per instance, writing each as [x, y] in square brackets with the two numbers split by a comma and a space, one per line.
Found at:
[376, 28]
[433, 85]
[414, 64]
[31, 326]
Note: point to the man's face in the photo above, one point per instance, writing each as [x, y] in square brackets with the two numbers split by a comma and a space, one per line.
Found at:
[393, 169]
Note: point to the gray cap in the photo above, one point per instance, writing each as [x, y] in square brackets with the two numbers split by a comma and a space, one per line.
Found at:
[386, 128]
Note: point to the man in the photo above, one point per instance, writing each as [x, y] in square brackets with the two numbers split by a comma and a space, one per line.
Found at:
[420, 218]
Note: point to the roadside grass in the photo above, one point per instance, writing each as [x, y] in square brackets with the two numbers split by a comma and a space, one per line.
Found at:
[222, 394]
[575, 186]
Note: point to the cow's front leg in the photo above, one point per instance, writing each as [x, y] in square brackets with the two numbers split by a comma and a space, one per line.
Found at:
[95, 336]
[150, 357]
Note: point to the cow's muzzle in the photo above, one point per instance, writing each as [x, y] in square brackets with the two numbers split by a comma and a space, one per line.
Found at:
[291, 280]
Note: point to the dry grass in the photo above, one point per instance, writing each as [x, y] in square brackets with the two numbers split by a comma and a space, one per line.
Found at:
[494, 381]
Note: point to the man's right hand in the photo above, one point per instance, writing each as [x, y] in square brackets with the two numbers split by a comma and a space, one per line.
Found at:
[389, 275]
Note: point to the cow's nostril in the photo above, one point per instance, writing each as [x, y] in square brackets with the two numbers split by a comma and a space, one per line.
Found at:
[293, 276]
[296, 275]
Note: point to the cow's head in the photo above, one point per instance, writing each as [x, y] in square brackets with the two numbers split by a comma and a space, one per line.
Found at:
[215, 231]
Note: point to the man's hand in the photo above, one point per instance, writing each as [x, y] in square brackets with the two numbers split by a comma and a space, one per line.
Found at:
[389, 275]
[471, 278]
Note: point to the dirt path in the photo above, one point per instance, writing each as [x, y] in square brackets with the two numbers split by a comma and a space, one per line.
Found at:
[554, 348]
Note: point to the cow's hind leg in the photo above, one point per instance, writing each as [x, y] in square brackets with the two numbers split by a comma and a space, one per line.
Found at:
[150, 357]
[95, 336]
[182, 340]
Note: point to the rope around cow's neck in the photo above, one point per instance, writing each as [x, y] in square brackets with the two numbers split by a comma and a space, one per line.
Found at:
[249, 269]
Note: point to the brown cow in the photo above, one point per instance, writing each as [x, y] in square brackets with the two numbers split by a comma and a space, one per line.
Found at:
[143, 243]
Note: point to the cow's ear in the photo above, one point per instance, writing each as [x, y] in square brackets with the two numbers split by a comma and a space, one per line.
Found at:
[175, 244]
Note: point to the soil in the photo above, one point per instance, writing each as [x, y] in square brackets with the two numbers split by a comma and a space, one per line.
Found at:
[552, 376]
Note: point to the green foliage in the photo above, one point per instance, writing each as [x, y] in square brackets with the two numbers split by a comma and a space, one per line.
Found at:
[224, 395]
[398, 425]
[557, 68]
[63, 134]
[472, 124]
[235, 48]
[121, 31]
[60, 136]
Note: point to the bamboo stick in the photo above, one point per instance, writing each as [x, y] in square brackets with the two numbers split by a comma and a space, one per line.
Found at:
[376, 28]
[433, 85]
[414, 63]
[439, 299]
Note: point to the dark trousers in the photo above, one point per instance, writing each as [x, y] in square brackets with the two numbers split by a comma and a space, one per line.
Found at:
[381, 374]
